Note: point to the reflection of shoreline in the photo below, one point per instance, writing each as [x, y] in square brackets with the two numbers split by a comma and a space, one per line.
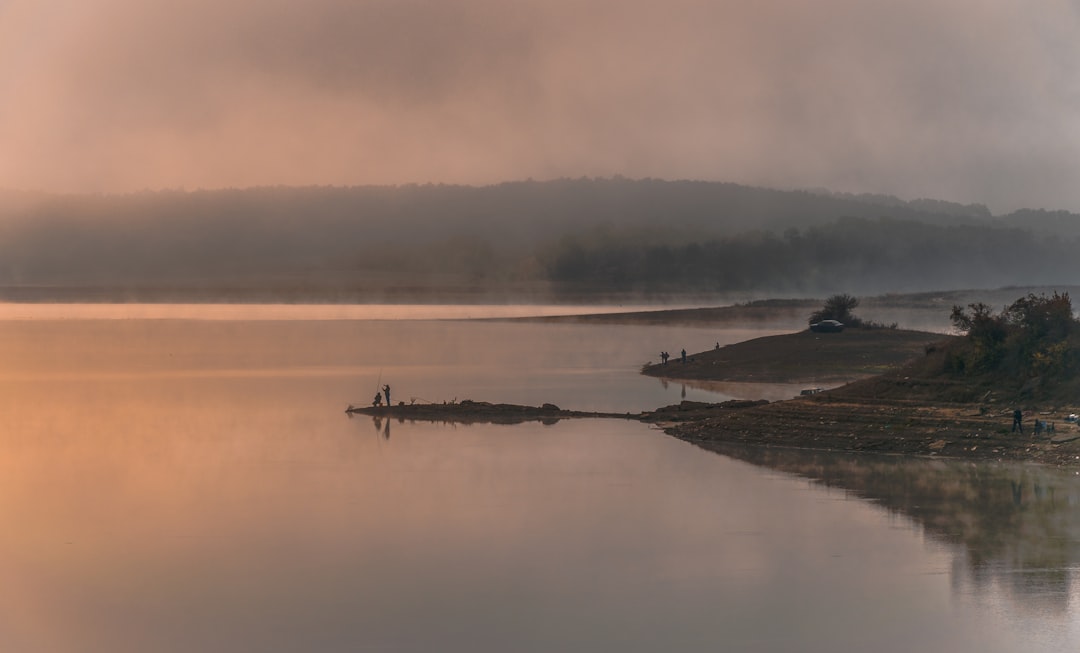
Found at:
[741, 389]
[1017, 525]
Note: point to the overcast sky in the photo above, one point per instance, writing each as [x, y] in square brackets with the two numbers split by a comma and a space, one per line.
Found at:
[965, 100]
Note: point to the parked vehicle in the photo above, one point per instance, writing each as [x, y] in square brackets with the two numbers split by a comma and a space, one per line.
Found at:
[827, 326]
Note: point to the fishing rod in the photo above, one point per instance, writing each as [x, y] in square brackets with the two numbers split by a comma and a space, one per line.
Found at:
[378, 389]
[378, 383]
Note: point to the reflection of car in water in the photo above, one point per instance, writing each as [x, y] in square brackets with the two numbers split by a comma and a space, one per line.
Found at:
[827, 326]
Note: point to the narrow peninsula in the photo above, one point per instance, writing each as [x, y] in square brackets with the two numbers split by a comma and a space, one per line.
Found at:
[1006, 388]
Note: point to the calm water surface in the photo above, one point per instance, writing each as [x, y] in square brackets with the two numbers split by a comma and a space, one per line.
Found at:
[179, 484]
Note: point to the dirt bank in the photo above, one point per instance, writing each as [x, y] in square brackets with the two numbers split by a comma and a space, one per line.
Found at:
[803, 356]
[840, 423]
[895, 406]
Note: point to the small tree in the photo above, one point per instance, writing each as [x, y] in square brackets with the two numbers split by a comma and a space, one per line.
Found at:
[839, 308]
[978, 323]
[1041, 317]
[986, 331]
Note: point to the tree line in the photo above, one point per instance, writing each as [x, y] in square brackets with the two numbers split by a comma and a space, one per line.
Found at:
[576, 235]
[857, 254]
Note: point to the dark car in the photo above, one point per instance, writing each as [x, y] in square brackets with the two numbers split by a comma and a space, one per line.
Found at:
[827, 326]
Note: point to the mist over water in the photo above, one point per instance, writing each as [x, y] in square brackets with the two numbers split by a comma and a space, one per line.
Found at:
[181, 476]
[178, 485]
[303, 312]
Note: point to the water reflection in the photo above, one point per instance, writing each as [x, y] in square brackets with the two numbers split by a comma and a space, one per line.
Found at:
[1017, 526]
[574, 366]
[749, 389]
[382, 427]
[177, 486]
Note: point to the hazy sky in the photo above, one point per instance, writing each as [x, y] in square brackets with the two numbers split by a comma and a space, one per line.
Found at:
[968, 100]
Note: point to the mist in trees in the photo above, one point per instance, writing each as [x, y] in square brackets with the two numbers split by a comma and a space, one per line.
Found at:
[565, 236]
[854, 253]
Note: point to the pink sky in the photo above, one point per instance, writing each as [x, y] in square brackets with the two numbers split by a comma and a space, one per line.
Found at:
[964, 100]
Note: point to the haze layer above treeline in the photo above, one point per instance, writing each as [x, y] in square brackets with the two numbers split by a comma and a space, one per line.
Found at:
[565, 237]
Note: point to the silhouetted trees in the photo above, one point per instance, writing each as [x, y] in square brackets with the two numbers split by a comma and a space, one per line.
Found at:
[839, 308]
[859, 254]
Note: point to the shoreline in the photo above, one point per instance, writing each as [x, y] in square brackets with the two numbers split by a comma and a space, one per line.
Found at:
[825, 422]
[822, 422]
[873, 411]
[468, 411]
[888, 412]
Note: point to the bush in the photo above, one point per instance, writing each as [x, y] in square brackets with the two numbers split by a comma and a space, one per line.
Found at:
[839, 308]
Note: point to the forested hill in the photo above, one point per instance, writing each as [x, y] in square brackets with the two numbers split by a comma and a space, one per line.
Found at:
[586, 234]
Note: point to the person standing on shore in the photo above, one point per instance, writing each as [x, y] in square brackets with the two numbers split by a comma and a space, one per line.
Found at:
[386, 391]
[684, 356]
[1018, 423]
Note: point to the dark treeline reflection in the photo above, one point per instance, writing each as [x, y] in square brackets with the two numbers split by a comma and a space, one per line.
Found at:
[1018, 526]
[573, 235]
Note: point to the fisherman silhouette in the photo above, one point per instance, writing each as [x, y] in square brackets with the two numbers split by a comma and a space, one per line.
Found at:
[1018, 422]
[386, 391]
[377, 401]
[684, 355]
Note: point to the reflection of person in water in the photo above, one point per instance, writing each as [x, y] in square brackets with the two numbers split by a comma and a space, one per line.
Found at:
[381, 427]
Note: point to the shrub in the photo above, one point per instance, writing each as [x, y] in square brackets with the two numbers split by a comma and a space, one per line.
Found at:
[839, 308]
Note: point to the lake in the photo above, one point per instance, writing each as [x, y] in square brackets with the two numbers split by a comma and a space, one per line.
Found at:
[184, 478]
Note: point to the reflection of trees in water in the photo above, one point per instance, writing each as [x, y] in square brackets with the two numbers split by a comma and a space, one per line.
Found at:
[1018, 525]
